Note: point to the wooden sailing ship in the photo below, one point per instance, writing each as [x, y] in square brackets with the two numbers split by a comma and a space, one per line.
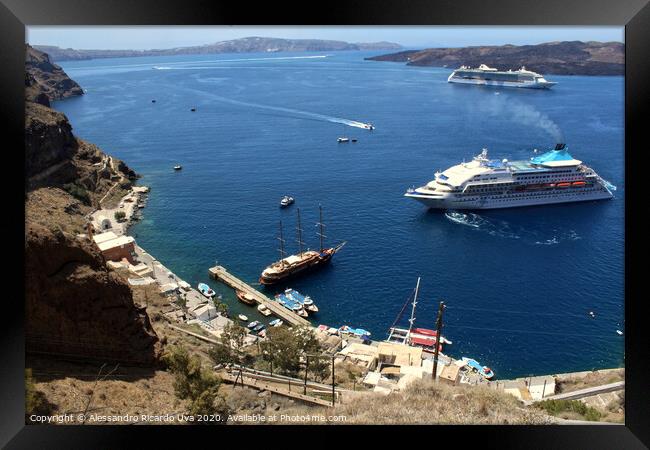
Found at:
[302, 262]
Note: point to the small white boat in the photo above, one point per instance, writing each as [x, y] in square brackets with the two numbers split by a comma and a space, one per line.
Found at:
[286, 201]
[343, 139]
[264, 310]
[619, 332]
[276, 323]
[369, 126]
[243, 318]
[178, 167]
[206, 290]
[253, 324]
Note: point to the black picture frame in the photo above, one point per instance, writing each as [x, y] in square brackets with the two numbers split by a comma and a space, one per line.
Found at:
[633, 14]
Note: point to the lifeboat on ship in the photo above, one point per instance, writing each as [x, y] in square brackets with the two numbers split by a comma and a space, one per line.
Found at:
[578, 183]
[563, 185]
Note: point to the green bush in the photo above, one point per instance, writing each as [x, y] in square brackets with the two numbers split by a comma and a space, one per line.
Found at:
[556, 407]
[120, 215]
[78, 192]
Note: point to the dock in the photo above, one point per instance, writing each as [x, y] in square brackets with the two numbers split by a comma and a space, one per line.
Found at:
[220, 273]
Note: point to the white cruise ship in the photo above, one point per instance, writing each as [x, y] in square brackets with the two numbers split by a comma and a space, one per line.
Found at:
[489, 76]
[553, 177]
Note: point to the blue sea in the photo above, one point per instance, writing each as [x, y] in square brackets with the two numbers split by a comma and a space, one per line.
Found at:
[518, 283]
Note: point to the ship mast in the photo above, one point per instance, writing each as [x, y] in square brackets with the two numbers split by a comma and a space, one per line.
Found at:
[282, 253]
[412, 319]
[320, 223]
[299, 229]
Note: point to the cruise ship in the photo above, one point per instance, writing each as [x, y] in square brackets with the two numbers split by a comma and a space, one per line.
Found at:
[489, 76]
[552, 177]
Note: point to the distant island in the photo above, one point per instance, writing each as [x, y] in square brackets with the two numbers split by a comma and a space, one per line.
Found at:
[559, 58]
[243, 45]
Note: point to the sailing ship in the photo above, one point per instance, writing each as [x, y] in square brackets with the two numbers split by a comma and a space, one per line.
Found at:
[290, 266]
[415, 337]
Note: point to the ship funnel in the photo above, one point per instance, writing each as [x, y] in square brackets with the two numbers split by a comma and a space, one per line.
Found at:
[560, 146]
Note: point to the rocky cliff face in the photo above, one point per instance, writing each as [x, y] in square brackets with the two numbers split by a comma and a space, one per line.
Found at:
[44, 78]
[74, 306]
[560, 58]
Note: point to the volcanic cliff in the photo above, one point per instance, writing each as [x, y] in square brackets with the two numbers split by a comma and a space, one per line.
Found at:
[559, 58]
[74, 306]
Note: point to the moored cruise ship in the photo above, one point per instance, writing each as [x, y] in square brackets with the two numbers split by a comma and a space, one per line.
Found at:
[489, 76]
[553, 177]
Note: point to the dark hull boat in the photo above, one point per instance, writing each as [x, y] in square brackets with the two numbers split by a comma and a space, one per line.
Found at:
[305, 261]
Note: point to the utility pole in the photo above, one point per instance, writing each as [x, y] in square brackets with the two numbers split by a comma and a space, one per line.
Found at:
[333, 392]
[438, 338]
[304, 391]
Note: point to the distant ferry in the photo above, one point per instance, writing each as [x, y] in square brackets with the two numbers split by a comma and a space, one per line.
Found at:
[553, 177]
[489, 76]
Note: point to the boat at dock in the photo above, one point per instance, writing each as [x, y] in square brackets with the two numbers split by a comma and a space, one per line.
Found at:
[252, 325]
[245, 298]
[276, 322]
[243, 318]
[206, 290]
[290, 266]
[305, 301]
[412, 336]
[484, 371]
[359, 332]
[264, 310]
[291, 305]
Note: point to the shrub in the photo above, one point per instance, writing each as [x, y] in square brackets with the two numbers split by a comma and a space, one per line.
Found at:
[555, 407]
[120, 215]
[77, 192]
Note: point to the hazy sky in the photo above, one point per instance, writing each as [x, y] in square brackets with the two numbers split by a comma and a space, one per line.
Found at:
[150, 37]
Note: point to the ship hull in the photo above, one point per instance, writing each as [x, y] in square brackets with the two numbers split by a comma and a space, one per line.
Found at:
[513, 84]
[499, 202]
[298, 269]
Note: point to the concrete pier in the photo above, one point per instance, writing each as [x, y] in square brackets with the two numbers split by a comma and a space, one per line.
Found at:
[220, 273]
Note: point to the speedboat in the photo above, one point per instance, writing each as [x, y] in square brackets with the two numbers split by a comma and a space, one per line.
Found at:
[178, 167]
[243, 318]
[286, 201]
[259, 327]
[343, 139]
[264, 310]
[276, 323]
[206, 290]
[369, 126]
[252, 325]
[484, 371]
[262, 334]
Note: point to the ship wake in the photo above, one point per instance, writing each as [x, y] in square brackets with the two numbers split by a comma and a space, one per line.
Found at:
[505, 230]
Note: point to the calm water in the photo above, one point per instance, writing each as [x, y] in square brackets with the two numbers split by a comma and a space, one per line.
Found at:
[518, 283]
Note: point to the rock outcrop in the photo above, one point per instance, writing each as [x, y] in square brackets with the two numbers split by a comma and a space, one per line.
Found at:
[559, 58]
[45, 79]
[75, 307]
